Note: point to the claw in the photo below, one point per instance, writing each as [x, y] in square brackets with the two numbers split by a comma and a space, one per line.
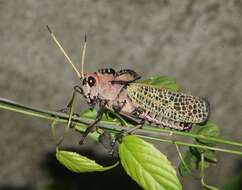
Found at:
[118, 138]
[81, 141]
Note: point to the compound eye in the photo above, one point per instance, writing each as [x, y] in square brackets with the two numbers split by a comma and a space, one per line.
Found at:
[91, 81]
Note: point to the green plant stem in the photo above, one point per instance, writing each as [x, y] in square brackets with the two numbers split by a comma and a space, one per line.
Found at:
[192, 135]
[63, 118]
[205, 186]
[181, 158]
[192, 145]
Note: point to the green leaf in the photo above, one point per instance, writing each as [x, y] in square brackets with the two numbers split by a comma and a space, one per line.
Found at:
[210, 129]
[78, 163]
[162, 82]
[147, 165]
[109, 117]
[89, 113]
[193, 155]
[191, 164]
[209, 155]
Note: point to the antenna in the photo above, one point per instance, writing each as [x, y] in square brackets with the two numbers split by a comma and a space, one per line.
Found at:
[83, 56]
[63, 51]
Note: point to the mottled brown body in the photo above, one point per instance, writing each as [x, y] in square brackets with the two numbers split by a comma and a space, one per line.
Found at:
[118, 91]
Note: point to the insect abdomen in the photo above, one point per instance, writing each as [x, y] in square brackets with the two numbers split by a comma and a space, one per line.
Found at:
[168, 104]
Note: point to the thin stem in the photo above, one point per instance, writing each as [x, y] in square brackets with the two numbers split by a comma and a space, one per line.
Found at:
[181, 158]
[53, 134]
[63, 118]
[205, 186]
[192, 135]
[192, 145]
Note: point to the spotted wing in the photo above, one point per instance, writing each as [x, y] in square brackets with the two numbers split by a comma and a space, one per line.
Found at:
[172, 105]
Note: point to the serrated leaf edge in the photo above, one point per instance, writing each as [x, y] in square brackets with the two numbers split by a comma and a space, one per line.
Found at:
[166, 180]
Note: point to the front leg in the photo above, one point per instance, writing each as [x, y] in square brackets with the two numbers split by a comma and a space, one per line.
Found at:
[91, 127]
[76, 89]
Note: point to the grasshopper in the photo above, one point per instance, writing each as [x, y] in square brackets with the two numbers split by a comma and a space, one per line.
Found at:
[121, 92]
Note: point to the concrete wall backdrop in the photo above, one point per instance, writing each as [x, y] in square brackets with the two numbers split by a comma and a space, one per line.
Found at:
[197, 42]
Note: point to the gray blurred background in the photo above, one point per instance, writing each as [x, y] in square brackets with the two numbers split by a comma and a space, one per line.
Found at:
[197, 42]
